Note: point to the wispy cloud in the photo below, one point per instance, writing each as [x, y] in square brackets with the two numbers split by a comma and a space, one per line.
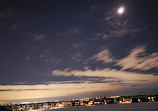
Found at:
[39, 37]
[77, 57]
[139, 59]
[111, 77]
[47, 57]
[118, 26]
[50, 59]
[112, 74]
[104, 36]
[14, 92]
[27, 58]
[72, 31]
[21, 89]
[19, 83]
[77, 45]
[103, 56]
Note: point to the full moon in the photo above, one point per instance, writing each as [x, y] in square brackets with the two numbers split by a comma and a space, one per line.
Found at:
[121, 10]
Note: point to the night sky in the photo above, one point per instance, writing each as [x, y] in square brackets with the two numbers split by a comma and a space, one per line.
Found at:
[51, 49]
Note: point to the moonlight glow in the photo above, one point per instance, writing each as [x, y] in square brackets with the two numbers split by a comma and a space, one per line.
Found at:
[121, 10]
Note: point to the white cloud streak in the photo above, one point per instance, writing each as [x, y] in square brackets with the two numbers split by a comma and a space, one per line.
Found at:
[108, 73]
[39, 37]
[103, 56]
[53, 90]
[77, 57]
[139, 59]
[73, 31]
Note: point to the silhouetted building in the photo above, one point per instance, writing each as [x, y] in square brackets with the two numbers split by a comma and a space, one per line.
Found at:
[143, 98]
[135, 99]
[109, 100]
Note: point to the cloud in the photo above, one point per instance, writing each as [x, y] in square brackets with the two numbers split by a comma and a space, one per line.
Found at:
[125, 31]
[103, 56]
[15, 92]
[19, 83]
[139, 59]
[107, 73]
[119, 32]
[21, 89]
[27, 58]
[50, 59]
[104, 36]
[73, 31]
[75, 45]
[77, 57]
[78, 45]
[39, 37]
[111, 77]
[115, 25]
[47, 57]
[121, 26]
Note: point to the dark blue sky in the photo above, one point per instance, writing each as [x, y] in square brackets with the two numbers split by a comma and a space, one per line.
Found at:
[69, 41]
